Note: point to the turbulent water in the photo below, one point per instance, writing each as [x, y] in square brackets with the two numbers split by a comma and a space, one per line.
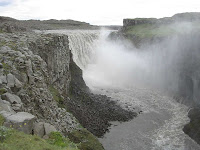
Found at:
[109, 68]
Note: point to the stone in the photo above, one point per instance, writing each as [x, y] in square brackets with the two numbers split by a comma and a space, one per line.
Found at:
[28, 64]
[6, 114]
[18, 84]
[4, 106]
[1, 71]
[21, 121]
[10, 80]
[16, 107]
[39, 129]
[1, 65]
[48, 128]
[13, 99]
[5, 102]
[3, 79]
[5, 49]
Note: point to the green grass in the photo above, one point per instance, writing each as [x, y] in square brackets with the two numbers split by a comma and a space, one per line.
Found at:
[160, 30]
[15, 140]
[2, 91]
[149, 30]
[1, 120]
[55, 138]
[56, 96]
[86, 140]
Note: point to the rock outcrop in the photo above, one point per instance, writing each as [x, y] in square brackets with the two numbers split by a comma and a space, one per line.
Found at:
[182, 17]
[21, 121]
[31, 64]
[10, 25]
[43, 129]
[39, 77]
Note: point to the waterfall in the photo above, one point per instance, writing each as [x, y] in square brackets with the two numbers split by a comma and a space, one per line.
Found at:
[82, 45]
[134, 78]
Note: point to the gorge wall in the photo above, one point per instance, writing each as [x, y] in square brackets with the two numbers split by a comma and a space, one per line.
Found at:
[40, 64]
[40, 82]
[173, 44]
[182, 17]
[176, 40]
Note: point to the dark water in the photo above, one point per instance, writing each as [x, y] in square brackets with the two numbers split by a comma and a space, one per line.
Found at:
[158, 127]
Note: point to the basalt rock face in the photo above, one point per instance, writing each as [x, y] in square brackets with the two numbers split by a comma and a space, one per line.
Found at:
[138, 21]
[55, 52]
[31, 66]
[182, 17]
[38, 76]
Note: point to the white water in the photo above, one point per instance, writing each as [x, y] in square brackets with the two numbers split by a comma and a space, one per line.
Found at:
[112, 69]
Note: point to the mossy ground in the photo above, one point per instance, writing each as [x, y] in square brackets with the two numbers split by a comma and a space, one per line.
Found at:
[149, 30]
[15, 140]
[2, 91]
[160, 30]
[86, 140]
[56, 96]
[1, 120]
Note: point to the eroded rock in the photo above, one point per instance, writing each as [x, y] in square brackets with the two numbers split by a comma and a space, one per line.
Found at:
[13, 99]
[21, 121]
[39, 129]
[6, 106]
[48, 128]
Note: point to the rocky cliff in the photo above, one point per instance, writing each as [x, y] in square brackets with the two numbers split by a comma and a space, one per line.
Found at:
[182, 17]
[42, 90]
[34, 75]
[12, 25]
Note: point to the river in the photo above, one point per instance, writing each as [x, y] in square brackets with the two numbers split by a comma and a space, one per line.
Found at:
[111, 70]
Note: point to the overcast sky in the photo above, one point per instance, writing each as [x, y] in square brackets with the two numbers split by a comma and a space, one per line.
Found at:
[99, 12]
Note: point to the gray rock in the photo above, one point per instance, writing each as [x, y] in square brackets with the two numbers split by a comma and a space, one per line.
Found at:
[39, 129]
[1, 83]
[16, 107]
[10, 80]
[3, 79]
[1, 65]
[48, 128]
[13, 99]
[6, 114]
[29, 67]
[18, 84]
[1, 71]
[5, 102]
[5, 106]
[5, 49]
[21, 121]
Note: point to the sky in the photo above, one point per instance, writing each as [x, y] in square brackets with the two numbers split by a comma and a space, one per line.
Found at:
[96, 12]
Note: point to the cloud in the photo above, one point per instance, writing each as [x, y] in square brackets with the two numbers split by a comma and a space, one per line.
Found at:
[95, 12]
[5, 2]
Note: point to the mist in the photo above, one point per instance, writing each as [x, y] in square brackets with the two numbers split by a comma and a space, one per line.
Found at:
[170, 65]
